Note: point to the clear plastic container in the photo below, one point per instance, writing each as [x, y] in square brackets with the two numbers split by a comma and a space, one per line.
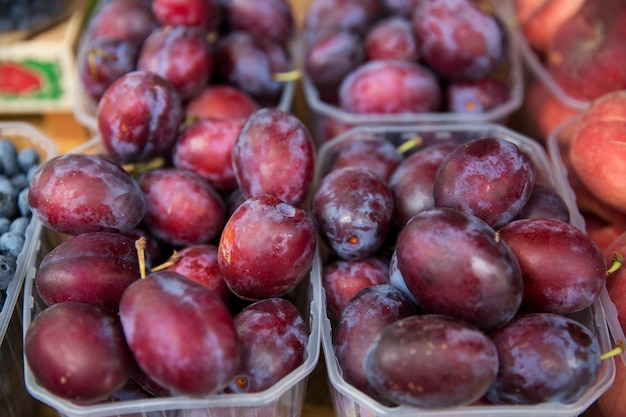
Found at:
[557, 147]
[284, 399]
[327, 120]
[349, 401]
[14, 399]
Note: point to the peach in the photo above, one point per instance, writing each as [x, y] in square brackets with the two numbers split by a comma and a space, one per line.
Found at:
[602, 232]
[588, 50]
[597, 150]
[545, 19]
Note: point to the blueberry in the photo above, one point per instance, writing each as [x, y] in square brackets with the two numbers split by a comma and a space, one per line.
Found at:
[27, 158]
[19, 181]
[31, 171]
[8, 198]
[7, 271]
[22, 203]
[11, 243]
[8, 158]
[19, 225]
[5, 223]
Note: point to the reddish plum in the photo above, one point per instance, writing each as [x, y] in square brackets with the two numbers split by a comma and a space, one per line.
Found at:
[204, 14]
[273, 337]
[402, 8]
[181, 207]
[77, 351]
[390, 87]
[199, 264]
[353, 208]
[367, 314]
[79, 193]
[490, 178]
[353, 15]
[563, 269]
[454, 263]
[417, 359]
[342, 279]
[266, 248]
[220, 102]
[391, 38]
[458, 40]
[412, 182]
[180, 54]
[138, 116]
[274, 154]
[92, 268]
[475, 96]
[530, 342]
[205, 147]
[129, 20]
[181, 333]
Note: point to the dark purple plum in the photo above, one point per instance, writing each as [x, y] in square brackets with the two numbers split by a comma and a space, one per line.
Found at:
[274, 154]
[78, 352]
[490, 178]
[431, 361]
[353, 208]
[272, 19]
[138, 116]
[129, 20]
[563, 268]
[93, 268]
[530, 342]
[79, 193]
[181, 334]
[545, 202]
[266, 248]
[273, 337]
[455, 264]
[367, 314]
[353, 15]
[475, 96]
[391, 38]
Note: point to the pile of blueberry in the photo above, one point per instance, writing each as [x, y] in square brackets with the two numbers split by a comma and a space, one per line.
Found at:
[16, 169]
[29, 14]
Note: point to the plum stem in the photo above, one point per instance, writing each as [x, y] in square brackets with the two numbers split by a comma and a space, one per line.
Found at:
[287, 76]
[410, 144]
[91, 59]
[140, 245]
[616, 263]
[140, 167]
[171, 261]
[612, 353]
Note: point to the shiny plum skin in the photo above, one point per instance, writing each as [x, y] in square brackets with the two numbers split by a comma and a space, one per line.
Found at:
[417, 359]
[180, 54]
[352, 208]
[368, 313]
[352, 15]
[273, 337]
[391, 38]
[92, 268]
[342, 279]
[563, 269]
[129, 20]
[377, 154]
[77, 351]
[199, 264]
[455, 264]
[390, 87]
[79, 193]
[490, 178]
[476, 96]
[272, 19]
[266, 248]
[220, 101]
[181, 334]
[329, 57]
[274, 154]
[458, 40]
[529, 342]
[138, 116]
[545, 201]
[249, 63]
[205, 147]
[181, 207]
[412, 182]
[204, 14]
[103, 61]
